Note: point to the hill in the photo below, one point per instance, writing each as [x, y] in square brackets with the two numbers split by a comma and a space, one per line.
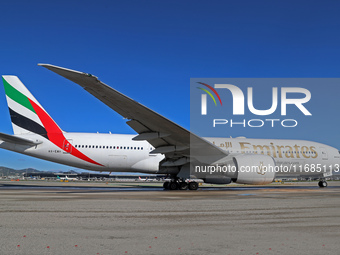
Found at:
[10, 171]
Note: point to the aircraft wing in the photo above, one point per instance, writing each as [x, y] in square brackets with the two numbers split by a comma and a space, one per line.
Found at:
[17, 140]
[166, 136]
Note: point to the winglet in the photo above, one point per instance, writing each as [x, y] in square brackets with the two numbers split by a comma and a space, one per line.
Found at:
[62, 71]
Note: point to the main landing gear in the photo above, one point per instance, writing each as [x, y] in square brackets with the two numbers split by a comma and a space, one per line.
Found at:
[322, 184]
[180, 185]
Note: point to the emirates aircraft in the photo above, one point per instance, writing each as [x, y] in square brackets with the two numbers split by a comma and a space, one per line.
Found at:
[160, 145]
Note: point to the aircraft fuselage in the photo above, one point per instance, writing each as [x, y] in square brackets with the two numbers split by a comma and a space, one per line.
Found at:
[119, 153]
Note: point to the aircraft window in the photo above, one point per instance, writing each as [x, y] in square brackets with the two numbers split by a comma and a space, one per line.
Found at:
[100, 147]
[114, 147]
[121, 147]
[82, 146]
[141, 148]
[110, 147]
[135, 148]
[85, 146]
[124, 147]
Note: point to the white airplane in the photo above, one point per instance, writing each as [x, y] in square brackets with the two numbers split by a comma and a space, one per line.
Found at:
[66, 178]
[142, 179]
[161, 146]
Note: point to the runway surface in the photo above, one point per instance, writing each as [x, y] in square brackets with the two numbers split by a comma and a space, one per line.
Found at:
[140, 218]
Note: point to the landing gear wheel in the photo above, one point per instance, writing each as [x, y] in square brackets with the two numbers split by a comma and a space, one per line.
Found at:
[173, 185]
[183, 185]
[323, 184]
[166, 185]
[193, 185]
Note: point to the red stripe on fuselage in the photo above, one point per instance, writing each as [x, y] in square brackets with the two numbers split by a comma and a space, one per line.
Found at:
[56, 136]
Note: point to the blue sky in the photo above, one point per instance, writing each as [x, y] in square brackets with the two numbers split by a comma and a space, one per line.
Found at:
[149, 50]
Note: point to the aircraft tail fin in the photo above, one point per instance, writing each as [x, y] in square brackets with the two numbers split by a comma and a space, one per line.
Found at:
[27, 115]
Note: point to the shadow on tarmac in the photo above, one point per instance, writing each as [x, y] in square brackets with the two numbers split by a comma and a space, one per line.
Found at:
[134, 187]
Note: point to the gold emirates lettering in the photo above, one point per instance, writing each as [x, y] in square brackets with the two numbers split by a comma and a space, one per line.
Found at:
[278, 151]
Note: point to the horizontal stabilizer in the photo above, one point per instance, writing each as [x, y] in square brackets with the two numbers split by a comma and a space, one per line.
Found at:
[17, 140]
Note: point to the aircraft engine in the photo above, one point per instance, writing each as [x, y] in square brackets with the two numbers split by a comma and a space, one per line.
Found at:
[254, 169]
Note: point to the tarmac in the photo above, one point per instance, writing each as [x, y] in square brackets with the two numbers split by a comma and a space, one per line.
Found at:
[41, 217]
